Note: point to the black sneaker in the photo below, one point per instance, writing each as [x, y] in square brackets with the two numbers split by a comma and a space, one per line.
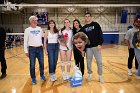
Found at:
[3, 76]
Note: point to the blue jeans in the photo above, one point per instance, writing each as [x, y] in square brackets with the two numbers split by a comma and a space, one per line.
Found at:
[52, 49]
[137, 54]
[36, 52]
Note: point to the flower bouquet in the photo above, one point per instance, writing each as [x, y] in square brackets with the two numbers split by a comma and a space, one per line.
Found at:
[63, 39]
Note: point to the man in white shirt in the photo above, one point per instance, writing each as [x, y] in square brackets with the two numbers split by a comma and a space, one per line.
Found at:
[33, 47]
[128, 40]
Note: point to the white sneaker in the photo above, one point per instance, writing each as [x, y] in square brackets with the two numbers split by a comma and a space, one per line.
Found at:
[52, 78]
[68, 76]
[89, 78]
[101, 79]
[64, 76]
[129, 72]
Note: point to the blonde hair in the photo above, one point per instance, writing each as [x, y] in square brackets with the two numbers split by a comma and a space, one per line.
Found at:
[32, 17]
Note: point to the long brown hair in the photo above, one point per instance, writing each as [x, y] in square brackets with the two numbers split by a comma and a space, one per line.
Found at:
[74, 29]
[55, 28]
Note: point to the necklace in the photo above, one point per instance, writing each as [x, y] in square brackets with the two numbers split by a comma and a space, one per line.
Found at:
[51, 31]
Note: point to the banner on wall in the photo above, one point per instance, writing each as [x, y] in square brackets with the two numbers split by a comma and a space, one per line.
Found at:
[42, 17]
[138, 14]
[124, 15]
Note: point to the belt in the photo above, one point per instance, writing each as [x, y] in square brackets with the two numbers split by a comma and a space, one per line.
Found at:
[35, 46]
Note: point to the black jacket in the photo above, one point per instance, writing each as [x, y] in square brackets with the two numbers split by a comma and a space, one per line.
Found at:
[2, 37]
[74, 31]
[94, 33]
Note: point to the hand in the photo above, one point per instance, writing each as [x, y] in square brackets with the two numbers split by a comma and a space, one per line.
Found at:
[27, 54]
[81, 49]
[99, 47]
[46, 53]
[44, 47]
[129, 47]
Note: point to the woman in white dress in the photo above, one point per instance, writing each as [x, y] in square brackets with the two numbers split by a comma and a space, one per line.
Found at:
[66, 49]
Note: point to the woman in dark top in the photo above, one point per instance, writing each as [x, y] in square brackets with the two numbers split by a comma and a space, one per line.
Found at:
[78, 57]
[136, 43]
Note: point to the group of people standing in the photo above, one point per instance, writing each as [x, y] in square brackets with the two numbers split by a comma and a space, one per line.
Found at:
[132, 39]
[89, 38]
[79, 40]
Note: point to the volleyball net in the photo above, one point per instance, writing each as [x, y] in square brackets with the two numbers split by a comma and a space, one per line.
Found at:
[17, 39]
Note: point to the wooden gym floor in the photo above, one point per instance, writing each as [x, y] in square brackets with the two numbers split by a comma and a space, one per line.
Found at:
[114, 73]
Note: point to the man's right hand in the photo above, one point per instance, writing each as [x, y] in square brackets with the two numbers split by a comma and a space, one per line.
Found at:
[46, 53]
[129, 47]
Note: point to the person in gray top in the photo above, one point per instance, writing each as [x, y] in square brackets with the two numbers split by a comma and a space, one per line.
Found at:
[128, 40]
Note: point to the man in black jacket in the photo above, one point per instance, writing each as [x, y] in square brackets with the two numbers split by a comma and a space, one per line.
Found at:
[2, 53]
[95, 36]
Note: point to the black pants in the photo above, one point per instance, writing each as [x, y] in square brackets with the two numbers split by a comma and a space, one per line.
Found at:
[79, 59]
[131, 57]
[3, 61]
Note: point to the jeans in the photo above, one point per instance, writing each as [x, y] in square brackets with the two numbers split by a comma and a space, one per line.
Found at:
[3, 61]
[131, 57]
[137, 54]
[36, 52]
[89, 55]
[52, 49]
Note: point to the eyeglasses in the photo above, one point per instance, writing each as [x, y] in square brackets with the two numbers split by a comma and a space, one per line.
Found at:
[34, 20]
